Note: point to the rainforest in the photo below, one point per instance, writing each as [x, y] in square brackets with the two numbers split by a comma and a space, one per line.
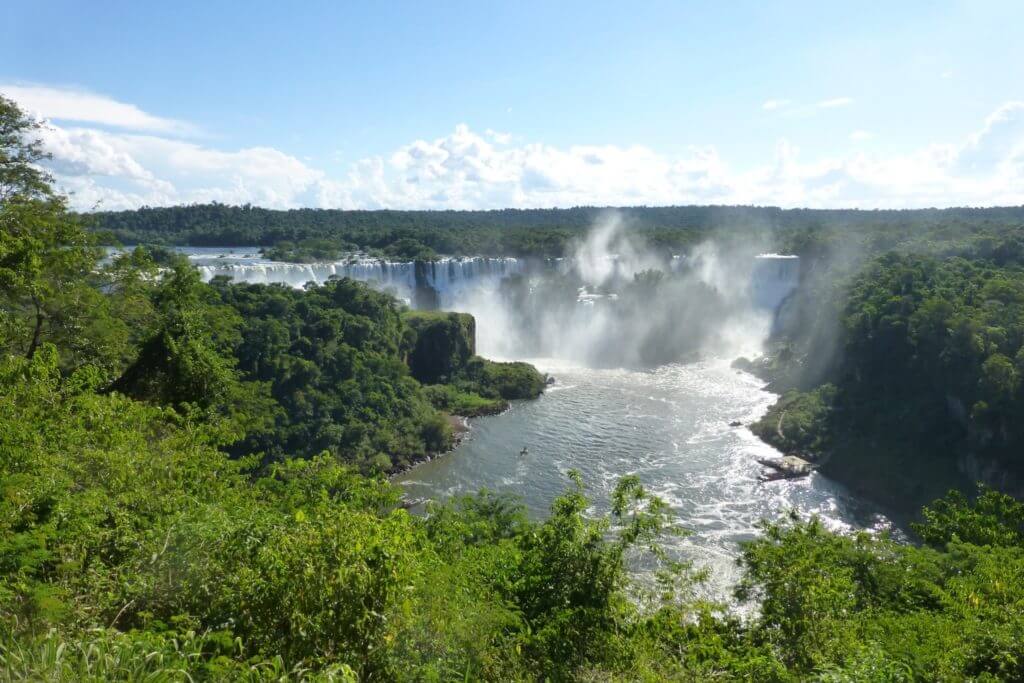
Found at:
[523, 445]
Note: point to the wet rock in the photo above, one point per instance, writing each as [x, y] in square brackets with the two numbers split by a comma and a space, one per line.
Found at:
[786, 467]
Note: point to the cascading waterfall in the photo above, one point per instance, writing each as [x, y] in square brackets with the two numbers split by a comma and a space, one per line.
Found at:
[458, 282]
[774, 278]
[444, 279]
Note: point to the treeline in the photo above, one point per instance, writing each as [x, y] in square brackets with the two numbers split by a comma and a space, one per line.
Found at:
[309, 234]
[136, 544]
[904, 365]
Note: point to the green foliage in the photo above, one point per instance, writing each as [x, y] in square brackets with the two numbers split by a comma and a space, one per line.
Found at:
[864, 608]
[132, 547]
[443, 353]
[309, 251]
[409, 249]
[798, 423]
[511, 380]
[549, 232]
[451, 400]
[333, 359]
[20, 151]
[444, 343]
[52, 288]
[121, 515]
[187, 359]
[992, 519]
[922, 367]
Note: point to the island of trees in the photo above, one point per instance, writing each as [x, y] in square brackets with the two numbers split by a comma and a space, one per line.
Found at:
[193, 482]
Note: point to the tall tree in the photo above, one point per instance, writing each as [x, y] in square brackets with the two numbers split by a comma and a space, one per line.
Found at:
[21, 150]
[52, 275]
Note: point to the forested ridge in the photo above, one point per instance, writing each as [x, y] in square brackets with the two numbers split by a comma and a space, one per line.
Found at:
[192, 489]
[903, 366]
[322, 233]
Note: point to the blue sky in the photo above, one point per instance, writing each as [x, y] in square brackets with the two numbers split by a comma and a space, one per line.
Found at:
[482, 105]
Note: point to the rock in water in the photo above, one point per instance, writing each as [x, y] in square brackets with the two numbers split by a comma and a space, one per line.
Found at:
[786, 467]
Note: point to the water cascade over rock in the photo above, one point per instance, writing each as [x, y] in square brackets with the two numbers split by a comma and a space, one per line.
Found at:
[424, 284]
[773, 279]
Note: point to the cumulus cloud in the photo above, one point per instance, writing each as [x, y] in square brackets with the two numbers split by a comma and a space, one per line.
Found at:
[499, 138]
[861, 135]
[124, 167]
[82, 106]
[465, 170]
[115, 170]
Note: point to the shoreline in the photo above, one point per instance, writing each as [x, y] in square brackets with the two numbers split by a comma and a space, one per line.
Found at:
[461, 430]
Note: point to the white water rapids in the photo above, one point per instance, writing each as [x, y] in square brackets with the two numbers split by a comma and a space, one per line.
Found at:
[669, 425]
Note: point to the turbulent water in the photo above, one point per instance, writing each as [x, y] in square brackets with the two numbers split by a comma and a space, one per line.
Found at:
[447, 278]
[669, 425]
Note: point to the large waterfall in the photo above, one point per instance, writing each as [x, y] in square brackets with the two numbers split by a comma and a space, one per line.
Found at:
[445, 282]
[428, 284]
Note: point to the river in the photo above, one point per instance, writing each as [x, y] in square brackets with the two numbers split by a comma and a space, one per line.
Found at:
[668, 425]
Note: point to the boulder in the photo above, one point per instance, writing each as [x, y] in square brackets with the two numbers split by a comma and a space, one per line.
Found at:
[786, 467]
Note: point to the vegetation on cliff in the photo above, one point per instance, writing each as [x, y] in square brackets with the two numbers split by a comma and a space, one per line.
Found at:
[457, 380]
[922, 367]
[135, 546]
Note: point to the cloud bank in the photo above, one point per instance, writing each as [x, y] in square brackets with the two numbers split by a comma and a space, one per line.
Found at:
[129, 158]
[70, 104]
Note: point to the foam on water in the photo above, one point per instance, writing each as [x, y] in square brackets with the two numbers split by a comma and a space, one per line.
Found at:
[448, 278]
[668, 426]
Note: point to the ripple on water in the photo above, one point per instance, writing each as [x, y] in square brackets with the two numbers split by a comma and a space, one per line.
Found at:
[668, 426]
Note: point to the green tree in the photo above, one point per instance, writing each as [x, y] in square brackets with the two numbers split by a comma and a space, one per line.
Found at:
[51, 277]
[21, 150]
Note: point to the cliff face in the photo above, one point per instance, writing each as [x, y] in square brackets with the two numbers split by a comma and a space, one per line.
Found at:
[442, 357]
[444, 344]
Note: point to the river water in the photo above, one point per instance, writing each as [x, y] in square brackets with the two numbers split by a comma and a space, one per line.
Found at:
[668, 425]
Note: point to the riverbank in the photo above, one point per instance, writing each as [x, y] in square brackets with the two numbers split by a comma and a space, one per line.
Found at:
[818, 426]
[460, 429]
[667, 425]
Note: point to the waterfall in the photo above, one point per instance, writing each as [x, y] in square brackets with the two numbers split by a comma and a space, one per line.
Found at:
[444, 282]
[773, 278]
[444, 279]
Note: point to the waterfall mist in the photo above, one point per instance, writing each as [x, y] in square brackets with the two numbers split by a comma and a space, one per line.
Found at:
[612, 301]
[617, 302]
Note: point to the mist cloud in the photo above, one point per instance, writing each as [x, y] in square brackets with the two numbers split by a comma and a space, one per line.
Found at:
[613, 302]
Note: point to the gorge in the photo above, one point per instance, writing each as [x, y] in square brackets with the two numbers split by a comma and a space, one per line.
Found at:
[665, 418]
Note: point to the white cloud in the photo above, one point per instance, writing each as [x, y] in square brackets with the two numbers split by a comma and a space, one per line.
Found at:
[772, 105]
[466, 170]
[861, 135]
[835, 102]
[498, 138]
[119, 170]
[82, 106]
